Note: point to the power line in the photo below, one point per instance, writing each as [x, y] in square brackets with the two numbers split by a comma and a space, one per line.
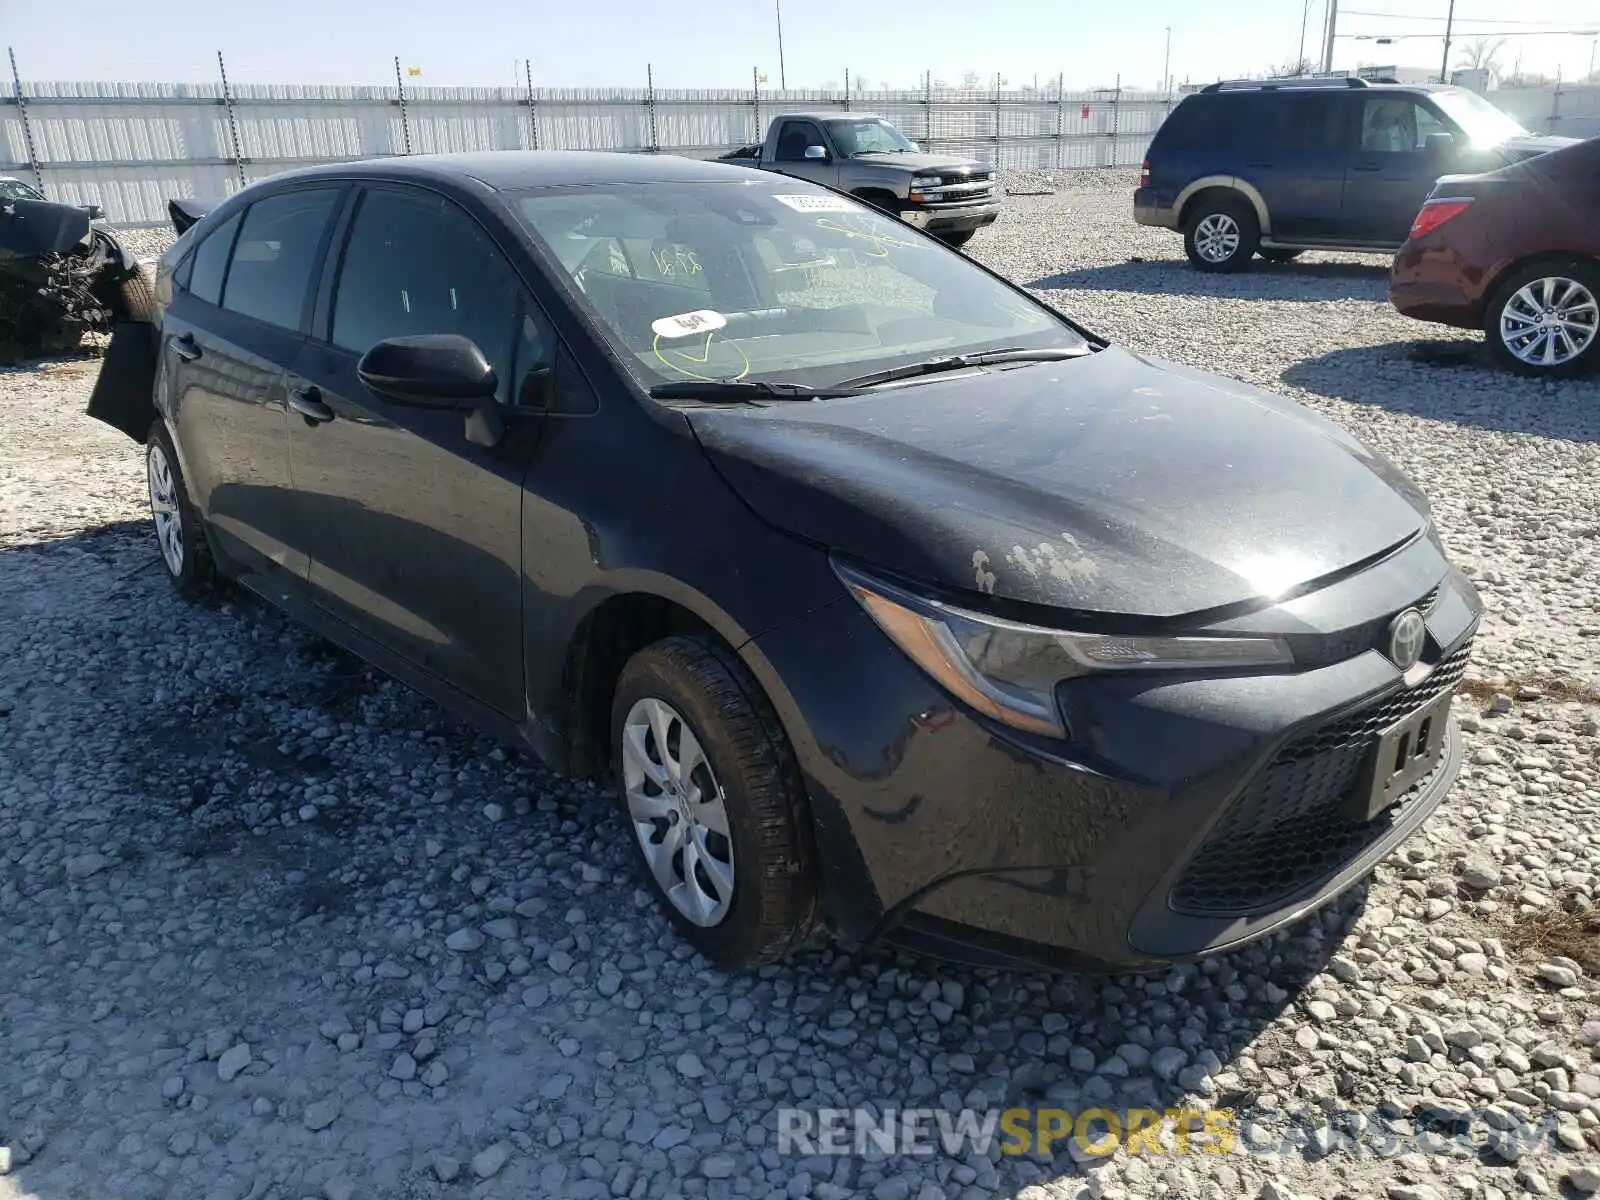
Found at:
[1348, 12]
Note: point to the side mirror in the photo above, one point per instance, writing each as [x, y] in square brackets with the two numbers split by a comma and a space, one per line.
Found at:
[1439, 143]
[431, 370]
[817, 153]
[96, 213]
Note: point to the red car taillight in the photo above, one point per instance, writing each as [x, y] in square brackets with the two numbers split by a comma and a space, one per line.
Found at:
[1436, 212]
[1144, 173]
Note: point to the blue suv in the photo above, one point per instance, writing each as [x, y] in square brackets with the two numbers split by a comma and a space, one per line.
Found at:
[1278, 167]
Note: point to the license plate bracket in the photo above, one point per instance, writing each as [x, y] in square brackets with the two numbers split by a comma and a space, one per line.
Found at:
[1409, 750]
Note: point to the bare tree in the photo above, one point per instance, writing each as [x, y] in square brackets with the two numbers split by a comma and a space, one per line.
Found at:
[969, 81]
[1482, 54]
[1301, 66]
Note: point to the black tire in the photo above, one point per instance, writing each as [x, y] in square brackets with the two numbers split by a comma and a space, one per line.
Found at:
[1585, 274]
[773, 906]
[1280, 256]
[136, 299]
[191, 567]
[956, 240]
[1232, 216]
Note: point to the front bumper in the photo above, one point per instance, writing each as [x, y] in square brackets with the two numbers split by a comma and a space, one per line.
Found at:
[951, 218]
[975, 842]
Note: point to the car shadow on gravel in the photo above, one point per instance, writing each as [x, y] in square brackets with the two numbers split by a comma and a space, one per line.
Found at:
[1309, 282]
[1452, 380]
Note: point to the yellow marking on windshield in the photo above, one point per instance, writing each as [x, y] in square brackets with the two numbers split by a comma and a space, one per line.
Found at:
[690, 356]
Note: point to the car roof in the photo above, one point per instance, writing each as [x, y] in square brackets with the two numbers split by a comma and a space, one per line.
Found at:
[834, 115]
[1274, 87]
[510, 170]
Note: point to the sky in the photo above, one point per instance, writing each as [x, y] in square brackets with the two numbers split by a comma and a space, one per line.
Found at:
[717, 43]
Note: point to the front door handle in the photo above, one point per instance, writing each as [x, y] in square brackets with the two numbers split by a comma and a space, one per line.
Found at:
[185, 347]
[307, 401]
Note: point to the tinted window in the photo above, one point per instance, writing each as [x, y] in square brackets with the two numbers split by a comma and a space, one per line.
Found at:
[1308, 124]
[1197, 123]
[277, 254]
[1397, 125]
[793, 139]
[211, 261]
[415, 263]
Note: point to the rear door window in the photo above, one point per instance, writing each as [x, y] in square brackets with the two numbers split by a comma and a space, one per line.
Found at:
[277, 256]
[211, 261]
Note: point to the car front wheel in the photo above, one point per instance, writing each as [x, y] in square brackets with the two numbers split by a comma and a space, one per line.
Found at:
[184, 550]
[1545, 319]
[1221, 234]
[713, 801]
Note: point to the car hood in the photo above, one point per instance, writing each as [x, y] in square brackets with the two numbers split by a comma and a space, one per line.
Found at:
[922, 162]
[29, 228]
[1111, 483]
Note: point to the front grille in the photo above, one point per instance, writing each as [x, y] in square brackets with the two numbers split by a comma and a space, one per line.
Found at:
[1290, 829]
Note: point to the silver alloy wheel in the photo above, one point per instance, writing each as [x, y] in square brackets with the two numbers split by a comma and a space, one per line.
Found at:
[679, 813]
[1216, 238]
[164, 507]
[1549, 322]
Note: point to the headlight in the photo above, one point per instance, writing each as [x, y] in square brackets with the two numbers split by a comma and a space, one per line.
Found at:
[1008, 671]
[924, 183]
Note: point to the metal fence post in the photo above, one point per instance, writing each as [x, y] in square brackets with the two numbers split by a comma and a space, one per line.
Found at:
[997, 120]
[927, 108]
[1116, 126]
[650, 103]
[847, 89]
[405, 123]
[1061, 117]
[755, 97]
[533, 106]
[233, 121]
[27, 128]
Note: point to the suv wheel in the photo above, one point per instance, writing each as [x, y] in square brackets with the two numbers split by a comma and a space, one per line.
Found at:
[1545, 319]
[1221, 234]
[182, 541]
[713, 798]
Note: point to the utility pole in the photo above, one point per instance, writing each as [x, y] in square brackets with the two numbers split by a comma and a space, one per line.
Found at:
[1305, 16]
[1166, 65]
[1444, 65]
[783, 81]
[1327, 44]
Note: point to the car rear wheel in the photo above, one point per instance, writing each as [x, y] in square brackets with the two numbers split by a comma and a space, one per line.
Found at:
[1545, 319]
[713, 800]
[179, 535]
[1221, 234]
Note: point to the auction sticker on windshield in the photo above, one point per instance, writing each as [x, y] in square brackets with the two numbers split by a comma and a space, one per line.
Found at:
[702, 320]
[819, 203]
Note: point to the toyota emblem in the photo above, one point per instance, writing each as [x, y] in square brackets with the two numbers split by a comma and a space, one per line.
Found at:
[1407, 632]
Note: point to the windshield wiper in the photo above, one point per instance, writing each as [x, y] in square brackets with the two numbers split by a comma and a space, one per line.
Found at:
[744, 389]
[957, 362]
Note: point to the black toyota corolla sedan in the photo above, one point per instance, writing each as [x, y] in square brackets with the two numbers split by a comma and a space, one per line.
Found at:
[890, 599]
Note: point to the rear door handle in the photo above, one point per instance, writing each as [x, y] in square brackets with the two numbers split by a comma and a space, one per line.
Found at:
[307, 401]
[185, 347]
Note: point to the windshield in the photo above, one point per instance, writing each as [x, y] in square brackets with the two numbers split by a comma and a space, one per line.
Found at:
[1479, 120]
[773, 282]
[15, 189]
[868, 137]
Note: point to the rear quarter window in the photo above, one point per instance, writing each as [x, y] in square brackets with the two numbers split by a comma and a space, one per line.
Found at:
[1198, 123]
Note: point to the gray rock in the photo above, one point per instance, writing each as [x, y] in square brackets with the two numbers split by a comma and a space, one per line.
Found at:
[320, 1114]
[465, 941]
[233, 1060]
[445, 1168]
[403, 1068]
[486, 1164]
[718, 1166]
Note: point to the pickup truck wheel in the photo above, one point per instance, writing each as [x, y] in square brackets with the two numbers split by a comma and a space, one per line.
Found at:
[712, 797]
[1545, 319]
[956, 240]
[1221, 234]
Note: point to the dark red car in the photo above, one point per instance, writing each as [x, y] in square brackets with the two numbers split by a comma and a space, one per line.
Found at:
[1516, 253]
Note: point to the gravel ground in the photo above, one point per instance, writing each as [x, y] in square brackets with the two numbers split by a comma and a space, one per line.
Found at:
[276, 927]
